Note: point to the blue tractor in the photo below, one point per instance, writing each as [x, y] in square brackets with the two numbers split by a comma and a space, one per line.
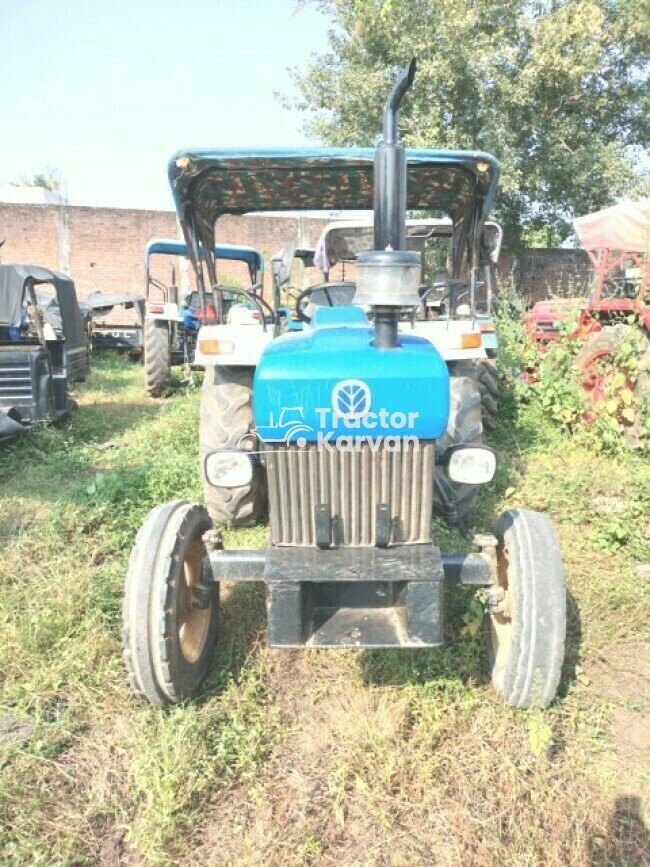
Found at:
[171, 329]
[347, 420]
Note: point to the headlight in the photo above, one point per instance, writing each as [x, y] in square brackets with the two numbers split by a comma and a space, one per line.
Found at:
[228, 469]
[471, 465]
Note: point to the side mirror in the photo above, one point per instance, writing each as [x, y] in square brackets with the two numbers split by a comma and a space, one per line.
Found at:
[491, 243]
[281, 264]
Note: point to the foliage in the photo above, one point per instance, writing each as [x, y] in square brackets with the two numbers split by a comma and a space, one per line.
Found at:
[509, 309]
[556, 385]
[48, 179]
[558, 91]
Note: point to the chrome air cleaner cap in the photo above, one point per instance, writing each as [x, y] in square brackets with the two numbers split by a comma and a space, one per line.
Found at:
[388, 278]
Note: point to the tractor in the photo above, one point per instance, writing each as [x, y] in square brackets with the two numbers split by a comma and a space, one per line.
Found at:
[616, 314]
[459, 332]
[345, 419]
[171, 330]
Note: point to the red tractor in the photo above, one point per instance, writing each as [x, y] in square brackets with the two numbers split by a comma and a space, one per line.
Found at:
[617, 314]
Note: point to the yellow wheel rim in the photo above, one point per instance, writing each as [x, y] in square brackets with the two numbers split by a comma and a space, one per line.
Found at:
[501, 622]
[193, 622]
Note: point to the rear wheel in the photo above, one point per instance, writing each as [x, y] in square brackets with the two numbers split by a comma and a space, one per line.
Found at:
[526, 635]
[486, 375]
[157, 357]
[226, 421]
[593, 375]
[454, 501]
[170, 607]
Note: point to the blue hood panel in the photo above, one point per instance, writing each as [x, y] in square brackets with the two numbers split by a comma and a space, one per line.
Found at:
[329, 382]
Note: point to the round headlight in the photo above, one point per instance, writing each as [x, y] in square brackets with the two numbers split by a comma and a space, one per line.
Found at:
[228, 469]
[472, 465]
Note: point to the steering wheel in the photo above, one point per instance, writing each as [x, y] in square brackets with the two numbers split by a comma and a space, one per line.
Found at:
[327, 289]
[445, 295]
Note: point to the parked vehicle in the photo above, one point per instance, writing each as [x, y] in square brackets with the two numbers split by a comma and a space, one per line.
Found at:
[116, 332]
[44, 347]
[171, 328]
[345, 415]
[455, 315]
[457, 332]
[617, 313]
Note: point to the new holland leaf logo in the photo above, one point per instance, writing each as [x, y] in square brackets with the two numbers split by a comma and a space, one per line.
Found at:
[351, 398]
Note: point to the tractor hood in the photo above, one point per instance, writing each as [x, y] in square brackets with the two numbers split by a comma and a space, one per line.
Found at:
[207, 184]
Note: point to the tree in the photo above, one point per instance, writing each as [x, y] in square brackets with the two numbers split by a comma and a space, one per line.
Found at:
[49, 179]
[557, 90]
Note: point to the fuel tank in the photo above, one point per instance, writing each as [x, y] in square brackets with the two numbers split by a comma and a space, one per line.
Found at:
[329, 383]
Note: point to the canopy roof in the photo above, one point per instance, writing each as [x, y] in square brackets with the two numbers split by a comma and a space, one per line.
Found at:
[13, 279]
[623, 227]
[209, 183]
[343, 240]
[216, 182]
[230, 252]
[12, 288]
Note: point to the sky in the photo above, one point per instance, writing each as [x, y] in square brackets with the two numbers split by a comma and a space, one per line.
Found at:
[106, 92]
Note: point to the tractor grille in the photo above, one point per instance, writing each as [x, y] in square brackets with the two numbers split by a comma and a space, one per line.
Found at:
[353, 484]
[15, 384]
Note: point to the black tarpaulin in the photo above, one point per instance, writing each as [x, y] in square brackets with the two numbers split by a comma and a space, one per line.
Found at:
[13, 279]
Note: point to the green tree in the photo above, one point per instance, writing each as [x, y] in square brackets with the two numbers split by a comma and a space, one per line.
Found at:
[49, 179]
[557, 90]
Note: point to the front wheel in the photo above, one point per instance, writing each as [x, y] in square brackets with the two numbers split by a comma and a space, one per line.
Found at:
[527, 631]
[170, 607]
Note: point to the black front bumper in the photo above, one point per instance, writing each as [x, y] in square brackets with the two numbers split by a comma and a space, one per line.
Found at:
[353, 597]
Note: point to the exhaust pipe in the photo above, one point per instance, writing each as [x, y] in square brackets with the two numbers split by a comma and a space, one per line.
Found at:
[390, 172]
[388, 277]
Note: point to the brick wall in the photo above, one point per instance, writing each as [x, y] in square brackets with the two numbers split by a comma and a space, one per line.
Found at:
[538, 273]
[30, 233]
[103, 248]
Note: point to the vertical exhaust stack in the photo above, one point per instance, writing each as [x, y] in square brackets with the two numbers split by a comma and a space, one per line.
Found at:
[388, 277]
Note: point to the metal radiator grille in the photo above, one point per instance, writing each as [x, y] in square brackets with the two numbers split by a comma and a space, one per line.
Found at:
[15, 384]
[353, 483]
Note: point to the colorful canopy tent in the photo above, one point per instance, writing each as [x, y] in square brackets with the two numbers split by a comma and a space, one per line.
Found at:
[616, 235]
[621, 227]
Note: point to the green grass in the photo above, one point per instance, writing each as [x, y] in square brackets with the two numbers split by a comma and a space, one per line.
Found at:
[304, 757]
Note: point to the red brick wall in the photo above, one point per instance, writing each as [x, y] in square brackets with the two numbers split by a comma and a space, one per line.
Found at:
[103, 248]
[107, 246]
[30, 233]
[538, 273]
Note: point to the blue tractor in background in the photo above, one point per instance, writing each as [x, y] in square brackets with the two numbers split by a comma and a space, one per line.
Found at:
[347, 419]
[170, 327]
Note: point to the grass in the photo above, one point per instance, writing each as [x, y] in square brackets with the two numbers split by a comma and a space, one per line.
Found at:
[306, 757]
